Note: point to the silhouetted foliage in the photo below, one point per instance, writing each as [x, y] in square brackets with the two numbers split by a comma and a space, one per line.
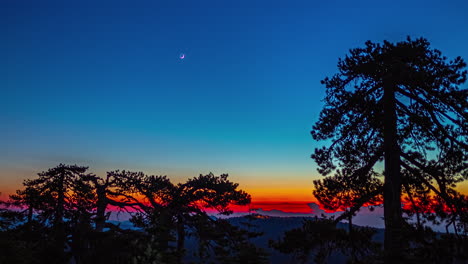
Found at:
[321, 237]
[221, 242]
[343, 193]
[61, 217]
[401, 104]
[428, 246]
[170, 211]
[60, 200]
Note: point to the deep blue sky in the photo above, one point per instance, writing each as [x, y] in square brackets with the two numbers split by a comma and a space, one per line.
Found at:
[101, 84]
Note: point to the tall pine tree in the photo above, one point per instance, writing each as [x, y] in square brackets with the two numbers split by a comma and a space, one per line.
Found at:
[401, 103]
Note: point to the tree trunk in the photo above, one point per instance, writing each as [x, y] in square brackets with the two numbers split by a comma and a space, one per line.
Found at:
[60, 199]
[351, 239]
[392, 186]
[180, 238]
[30, 214]
[165, 231]
[60, 236]
[101, 205]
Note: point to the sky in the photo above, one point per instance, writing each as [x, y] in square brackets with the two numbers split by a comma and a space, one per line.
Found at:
[101, 83]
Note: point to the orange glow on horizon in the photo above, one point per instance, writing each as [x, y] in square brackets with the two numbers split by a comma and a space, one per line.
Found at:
[287, 207]
[293, 196]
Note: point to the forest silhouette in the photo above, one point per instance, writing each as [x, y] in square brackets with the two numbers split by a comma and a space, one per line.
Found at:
[394, 127]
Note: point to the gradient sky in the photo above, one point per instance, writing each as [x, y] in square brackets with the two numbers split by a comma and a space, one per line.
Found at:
[102, 85]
